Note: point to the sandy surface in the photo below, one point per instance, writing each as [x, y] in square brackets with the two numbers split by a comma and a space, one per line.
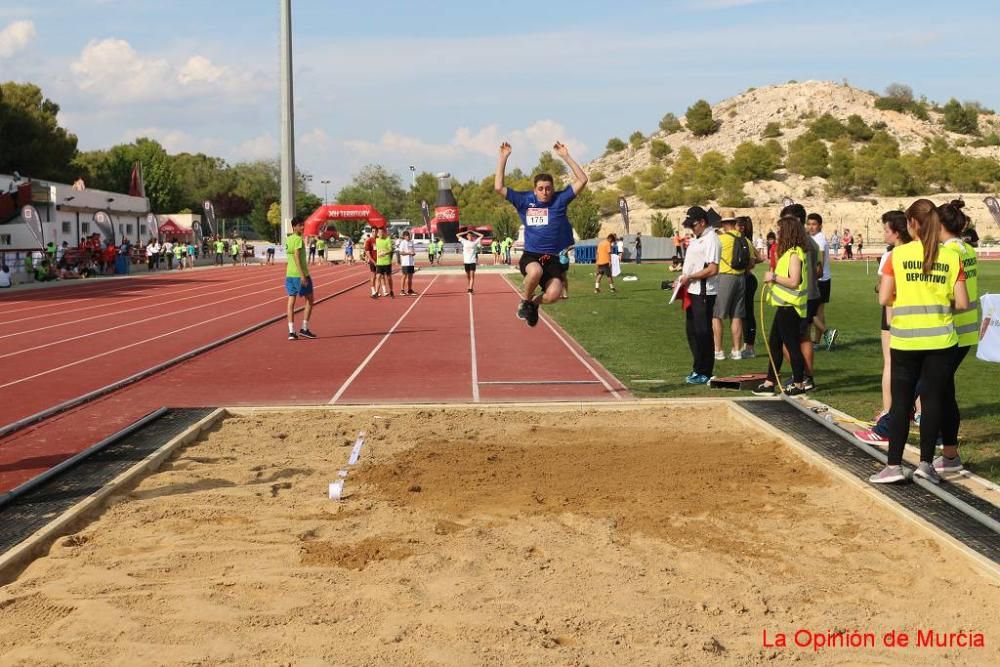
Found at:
[661, 536]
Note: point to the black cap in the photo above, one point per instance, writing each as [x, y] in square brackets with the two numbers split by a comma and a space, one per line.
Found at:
[694, 214]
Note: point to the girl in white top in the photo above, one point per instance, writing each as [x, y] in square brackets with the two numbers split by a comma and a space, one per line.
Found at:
[407, 254]
[470, 251]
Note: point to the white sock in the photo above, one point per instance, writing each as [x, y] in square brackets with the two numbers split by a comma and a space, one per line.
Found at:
[305, 325]
[291, 327]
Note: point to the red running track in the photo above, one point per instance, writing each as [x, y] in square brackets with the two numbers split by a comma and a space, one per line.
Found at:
[441, 346]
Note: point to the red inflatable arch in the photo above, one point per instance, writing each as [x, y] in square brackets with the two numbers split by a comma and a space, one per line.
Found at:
[324, 215]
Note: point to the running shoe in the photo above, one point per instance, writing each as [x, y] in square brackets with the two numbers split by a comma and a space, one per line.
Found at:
[870, 436]
[522, 310]
[469, 290]
[792, 390]
[888, 475]
[690, 375]
[305, 333]
[374, 296]
[697, 379]
[831, 338]
[597, 290]
[720, 355]
[944, 464]
[809, 384]
[926, 471]
[748, 353]
[412, 293]
[764, 389]
[292, 335]
[532, 314]
[735, 355]
[392, 295]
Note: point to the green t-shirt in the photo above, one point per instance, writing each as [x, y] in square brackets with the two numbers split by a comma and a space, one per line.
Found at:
[294, 246]
[383, 251]
[321, 244]
[220, 247]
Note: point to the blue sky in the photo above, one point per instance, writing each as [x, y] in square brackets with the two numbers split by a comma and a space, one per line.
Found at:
[439, 85]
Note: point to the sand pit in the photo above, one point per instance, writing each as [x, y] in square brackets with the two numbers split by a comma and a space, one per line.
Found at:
[486, 536]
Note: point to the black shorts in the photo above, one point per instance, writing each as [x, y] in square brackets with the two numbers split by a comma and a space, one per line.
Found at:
[551, 268]
[885, 322]
[604, 270]
[270, 251]
[408, 270]
[824, 291]
[470, 268]
[371, 267]
[383, 269]
[812, 305]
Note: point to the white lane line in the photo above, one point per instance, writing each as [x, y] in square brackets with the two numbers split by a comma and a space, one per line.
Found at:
[213, 304]
[544, 318]
[475, 365]
[93, 298]
[237, 285]
[488, 382]
[147, 340]
[371, 355]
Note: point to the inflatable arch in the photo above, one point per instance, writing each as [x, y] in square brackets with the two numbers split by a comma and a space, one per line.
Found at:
[324, 215]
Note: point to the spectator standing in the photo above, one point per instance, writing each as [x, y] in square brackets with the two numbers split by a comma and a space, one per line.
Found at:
[470, 256]
[383, 262]
[822, 333]
[510, 249]
[700, 277]
[735, 257]
[789, 294]
[861, 246]
[638, 248]
[298, 282]
[772, 250]
[220, 251]
[848, 239]
[811, 273]
[5, 278]
[349, 250]
[923, 282]
[370, 258]
[407, 255]
[604, 264]
[312, 250]
[168, 252]
[179, 253]
[234, 251]
[151, 255]
[321, 249]
[745, 227]
[678, 250]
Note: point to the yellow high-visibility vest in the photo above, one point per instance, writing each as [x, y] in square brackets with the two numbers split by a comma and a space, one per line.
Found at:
[922, 317]
[791, 296]
[967, 321]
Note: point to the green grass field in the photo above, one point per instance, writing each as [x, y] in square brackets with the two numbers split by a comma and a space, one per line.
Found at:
[641, 339]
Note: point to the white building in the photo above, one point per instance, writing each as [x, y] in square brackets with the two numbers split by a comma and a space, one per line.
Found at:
[67, 214]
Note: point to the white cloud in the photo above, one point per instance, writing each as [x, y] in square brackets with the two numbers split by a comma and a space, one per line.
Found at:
[114, 69]
[176, 141]
[529, 141]
[15, 37]
[262, 147]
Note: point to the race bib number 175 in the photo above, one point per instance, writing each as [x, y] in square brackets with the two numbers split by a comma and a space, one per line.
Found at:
[536, 217]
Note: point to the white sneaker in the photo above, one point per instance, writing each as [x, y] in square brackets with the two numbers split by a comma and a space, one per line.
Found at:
[720, 355]
[735, 355]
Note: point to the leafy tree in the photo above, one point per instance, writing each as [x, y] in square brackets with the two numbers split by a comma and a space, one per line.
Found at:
[615, 145]
[685, 166]
[112, 170]
[636, 139]
[607, 200]
[585, 215]
[627, 185]
[31, 140]
[660, 225]
[807, 155]
[963, 119]
[700, 120]
[772, 130]
[731, 193]
[841, 176]
[550, 164]
[858, 129]
[659, 149]
[425, 189]
[753, 162]
[776, 151]
[893, 179]
[597, 176]
[899, 91]
[670, 124]
[712, 171]
[653, 176]
[376, 186]
[827, 127]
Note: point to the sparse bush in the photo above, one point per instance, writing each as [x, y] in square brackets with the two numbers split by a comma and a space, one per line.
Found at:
[660, 225]
[827, 127]
[893, 179]
[808, 156]
[700, 120]
[670, 124]
[732, 113]
[653, 176]
[627, 185]
[991, 139]
[899, 91]
[752, 162]
[636, 139]
[772, 130]
[659, 149]
[597, 176]
[607, 200]
[960, 118]
[858, 128]
[615, 145]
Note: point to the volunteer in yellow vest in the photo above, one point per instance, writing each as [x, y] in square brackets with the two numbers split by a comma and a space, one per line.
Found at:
[789, 292]
[178, 252]
[953, 224]
[234, 251]
[220, 251]
[383, 262]
[298, 282]
[923, 283]
[321, 248]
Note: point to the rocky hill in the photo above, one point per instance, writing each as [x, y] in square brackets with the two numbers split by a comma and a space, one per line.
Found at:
[793, 107]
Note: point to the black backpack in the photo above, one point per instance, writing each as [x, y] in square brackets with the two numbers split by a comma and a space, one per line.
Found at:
[741, 253]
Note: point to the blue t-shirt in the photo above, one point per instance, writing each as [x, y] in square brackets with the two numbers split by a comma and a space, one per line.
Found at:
[546, 226]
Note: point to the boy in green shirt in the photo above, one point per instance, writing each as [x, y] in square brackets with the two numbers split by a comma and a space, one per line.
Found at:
[298, 282]
[383, 262]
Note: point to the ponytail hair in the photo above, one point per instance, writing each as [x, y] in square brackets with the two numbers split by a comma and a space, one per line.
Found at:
[923, 215]
[952, 217]
[896, 221]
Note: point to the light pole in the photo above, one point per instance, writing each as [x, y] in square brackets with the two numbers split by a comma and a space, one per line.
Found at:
[413, 177]
[287, 121]
[326, 183]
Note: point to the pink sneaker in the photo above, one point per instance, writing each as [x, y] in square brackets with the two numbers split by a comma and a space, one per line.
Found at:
[869, 436]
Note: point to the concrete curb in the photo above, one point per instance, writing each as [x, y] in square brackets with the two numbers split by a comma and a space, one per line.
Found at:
[15, 560]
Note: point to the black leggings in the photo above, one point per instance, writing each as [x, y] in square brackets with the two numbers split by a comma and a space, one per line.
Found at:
[750, 320]
[934, 370]
[785, 333]
[952, 418]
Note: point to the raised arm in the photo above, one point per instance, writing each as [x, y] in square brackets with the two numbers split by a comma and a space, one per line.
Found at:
[498, 185]
[579, 177]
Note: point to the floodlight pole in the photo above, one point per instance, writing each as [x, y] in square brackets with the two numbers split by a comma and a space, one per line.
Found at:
[287, 122]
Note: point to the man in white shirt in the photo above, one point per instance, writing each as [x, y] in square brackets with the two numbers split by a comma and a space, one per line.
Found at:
[700, 276]
[470, 253]
[814, 225]
[407, 255]
[5, 279]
